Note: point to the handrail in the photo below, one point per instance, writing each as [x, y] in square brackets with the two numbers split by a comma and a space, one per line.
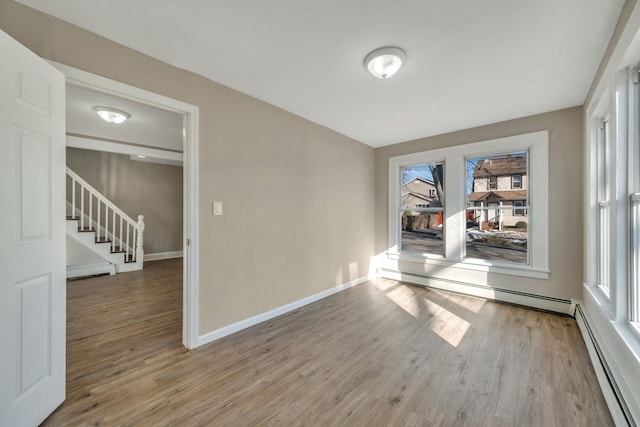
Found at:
[99, 195]
[121, 223]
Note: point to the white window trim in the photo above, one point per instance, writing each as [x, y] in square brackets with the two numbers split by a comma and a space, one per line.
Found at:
[537, 144]
[633, 209]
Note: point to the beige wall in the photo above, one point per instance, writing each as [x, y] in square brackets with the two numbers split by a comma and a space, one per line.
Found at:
[297, 197]
[138, 188]
[565, 194]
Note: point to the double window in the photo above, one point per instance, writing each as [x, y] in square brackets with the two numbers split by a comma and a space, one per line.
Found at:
[613, 238]
[469, 206]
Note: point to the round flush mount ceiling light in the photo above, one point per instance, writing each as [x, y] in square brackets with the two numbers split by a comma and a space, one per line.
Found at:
[385, 61]
[112, 115]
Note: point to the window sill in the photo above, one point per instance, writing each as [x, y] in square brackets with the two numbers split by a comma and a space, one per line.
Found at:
[475, 265]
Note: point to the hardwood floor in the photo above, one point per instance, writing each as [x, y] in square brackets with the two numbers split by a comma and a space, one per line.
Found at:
[381, 354]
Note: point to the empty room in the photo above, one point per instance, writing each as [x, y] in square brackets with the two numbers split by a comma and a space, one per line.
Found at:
[320, 213]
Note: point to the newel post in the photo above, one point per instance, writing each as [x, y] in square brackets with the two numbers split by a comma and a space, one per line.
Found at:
[140, 242]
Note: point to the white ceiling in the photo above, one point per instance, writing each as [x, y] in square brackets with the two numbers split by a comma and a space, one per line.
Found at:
[148, 125]
[469, 62]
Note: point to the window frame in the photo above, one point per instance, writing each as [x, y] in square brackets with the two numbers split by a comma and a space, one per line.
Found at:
[633, 258]
[513, 181]
[492, 185]
[537, 144]
[519, 204]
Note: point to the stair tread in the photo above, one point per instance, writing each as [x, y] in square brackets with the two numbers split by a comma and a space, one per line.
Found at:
[86, 230]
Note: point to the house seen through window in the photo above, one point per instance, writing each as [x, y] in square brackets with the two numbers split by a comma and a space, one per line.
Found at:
[422, 208]
[495, 187]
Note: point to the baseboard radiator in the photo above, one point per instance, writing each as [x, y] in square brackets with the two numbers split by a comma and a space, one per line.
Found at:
[540, 302]
[602, 361]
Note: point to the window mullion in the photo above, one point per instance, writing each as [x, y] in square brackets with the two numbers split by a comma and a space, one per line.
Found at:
[455, 215]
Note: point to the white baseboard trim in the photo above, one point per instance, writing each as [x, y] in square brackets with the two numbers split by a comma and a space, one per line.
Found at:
[74, 271]
[246, 323]
[612, 394]
[162, 255]
[540, 302]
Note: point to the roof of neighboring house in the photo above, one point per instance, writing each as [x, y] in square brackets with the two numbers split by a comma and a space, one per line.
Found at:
[409, 200]
[417, 178]
[418, 186]
[417, 195]
[508, 165]
[481, 196]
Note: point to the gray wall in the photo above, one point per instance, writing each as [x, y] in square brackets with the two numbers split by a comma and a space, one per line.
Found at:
[565, 194]
[138, 188]
[298, 197]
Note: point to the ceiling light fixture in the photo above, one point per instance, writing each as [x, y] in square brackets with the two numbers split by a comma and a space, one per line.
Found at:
[112, 115]
[385, 61]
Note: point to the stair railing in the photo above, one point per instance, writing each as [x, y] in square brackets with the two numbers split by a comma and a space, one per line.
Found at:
[108, 221]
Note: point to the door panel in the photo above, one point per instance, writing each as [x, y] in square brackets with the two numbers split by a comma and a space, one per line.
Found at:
[33, 186]
[32, 236]
[32, 92]
[33, 330]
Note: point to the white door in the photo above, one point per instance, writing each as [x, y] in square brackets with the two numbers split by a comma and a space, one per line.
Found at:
[493, 214]
[32, 236]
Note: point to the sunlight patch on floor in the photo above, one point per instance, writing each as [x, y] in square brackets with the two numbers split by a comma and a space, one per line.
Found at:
[406, 299]
[445, 324]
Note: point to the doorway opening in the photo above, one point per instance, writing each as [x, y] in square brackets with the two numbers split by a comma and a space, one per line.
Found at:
[83, 81]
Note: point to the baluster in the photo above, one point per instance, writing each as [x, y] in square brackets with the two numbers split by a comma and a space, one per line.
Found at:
[134, 246]
[73, 198]
[90, 210]
[98, 222]
[126, 255]
[106, 222]
[120, 232]
[81, 208]
[113, 231]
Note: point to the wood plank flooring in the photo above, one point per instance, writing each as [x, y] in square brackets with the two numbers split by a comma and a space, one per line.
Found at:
[381, 354]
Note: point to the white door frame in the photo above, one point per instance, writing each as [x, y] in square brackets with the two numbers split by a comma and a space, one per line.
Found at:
[189, 181]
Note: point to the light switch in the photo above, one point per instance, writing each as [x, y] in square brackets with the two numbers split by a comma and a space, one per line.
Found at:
[217, 208]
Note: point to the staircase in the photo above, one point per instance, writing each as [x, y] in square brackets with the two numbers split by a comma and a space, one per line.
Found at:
[103, 228]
